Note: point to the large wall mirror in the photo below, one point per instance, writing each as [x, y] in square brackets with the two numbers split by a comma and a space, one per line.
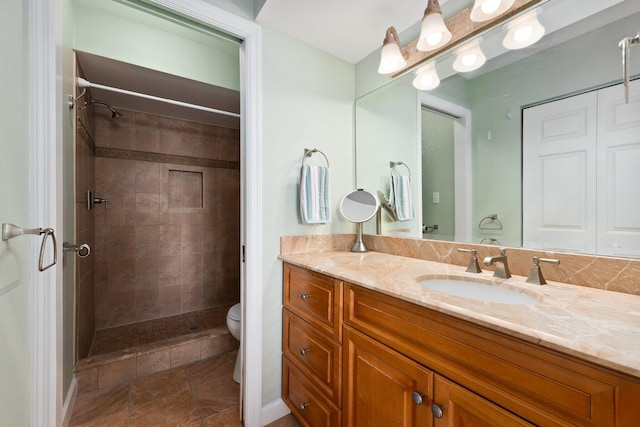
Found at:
[517, 152]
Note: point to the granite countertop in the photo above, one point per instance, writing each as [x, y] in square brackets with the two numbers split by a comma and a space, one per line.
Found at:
[592, 324]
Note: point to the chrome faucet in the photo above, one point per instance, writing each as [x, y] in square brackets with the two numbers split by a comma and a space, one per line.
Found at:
[535, 276]
[502, 267]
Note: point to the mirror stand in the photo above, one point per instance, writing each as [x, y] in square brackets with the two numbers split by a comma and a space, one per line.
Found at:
[359, 245]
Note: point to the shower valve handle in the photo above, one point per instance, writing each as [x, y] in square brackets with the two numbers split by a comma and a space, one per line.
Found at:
[99, 200]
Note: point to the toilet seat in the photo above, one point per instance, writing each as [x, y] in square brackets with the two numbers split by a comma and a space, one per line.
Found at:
[235, 313]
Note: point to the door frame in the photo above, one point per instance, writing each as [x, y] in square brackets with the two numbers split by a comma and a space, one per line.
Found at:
[462, 161]
[45, 142]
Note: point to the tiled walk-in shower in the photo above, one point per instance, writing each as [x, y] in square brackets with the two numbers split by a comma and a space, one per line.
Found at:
[165, 261]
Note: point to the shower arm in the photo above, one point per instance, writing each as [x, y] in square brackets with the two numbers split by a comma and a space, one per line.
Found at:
[625, 44]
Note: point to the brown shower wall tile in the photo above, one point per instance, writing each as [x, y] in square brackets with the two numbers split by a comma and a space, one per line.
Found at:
[151, 258]
[85, 231]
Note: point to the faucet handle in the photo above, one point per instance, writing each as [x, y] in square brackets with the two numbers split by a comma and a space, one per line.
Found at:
[474, 266]
[535, 275]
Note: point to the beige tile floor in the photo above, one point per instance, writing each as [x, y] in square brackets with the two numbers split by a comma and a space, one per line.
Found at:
[200, 394]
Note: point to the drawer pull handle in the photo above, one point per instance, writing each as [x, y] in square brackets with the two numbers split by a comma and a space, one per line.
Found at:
[304, 351]
[437, 411]
[304, 296]
[417, 397]
[303, 406]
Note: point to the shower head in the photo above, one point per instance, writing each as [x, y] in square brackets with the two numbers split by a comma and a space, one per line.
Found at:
[115, 114]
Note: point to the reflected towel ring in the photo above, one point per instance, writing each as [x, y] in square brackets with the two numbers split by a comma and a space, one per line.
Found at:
[309, 153]
[393, 165]
[490, 241]
[485, 223]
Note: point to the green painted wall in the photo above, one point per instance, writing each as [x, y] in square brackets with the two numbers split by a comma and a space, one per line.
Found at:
[307, 102]
[127, 34]
[14, 208]
[386, 121]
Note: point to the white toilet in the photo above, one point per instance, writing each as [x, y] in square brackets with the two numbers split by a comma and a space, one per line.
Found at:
[234, 317]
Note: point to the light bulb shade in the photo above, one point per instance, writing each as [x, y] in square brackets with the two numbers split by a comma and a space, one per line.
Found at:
[433, 32]
[523, 31]
[426, 77]
[483, 10]
[469, 57]
[392, 58]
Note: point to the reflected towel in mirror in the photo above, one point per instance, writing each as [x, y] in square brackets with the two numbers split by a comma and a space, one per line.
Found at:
[401, 197]
[315, 204]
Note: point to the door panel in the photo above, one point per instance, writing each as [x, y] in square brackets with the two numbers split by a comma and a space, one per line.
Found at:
[559, 175]
[619, 174]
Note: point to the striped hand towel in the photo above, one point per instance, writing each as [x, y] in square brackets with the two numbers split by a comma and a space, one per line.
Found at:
[315, 205]
[401, 197]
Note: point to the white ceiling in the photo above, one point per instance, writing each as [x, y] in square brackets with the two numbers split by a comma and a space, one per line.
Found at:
[347, 29]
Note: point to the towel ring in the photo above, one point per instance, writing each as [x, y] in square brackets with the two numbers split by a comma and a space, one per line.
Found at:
[309, 153]
[485, 223]
[490, 241]
[392, 165]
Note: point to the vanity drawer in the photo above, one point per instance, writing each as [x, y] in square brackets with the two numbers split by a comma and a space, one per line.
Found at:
[318, 356]
[308, 404]
[541, 385]
[314, 297]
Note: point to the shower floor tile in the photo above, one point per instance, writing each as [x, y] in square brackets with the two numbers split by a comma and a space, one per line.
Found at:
[152, 331]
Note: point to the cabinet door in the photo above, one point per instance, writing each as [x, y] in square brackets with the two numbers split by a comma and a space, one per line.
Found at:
[455, 406]
[381, 385]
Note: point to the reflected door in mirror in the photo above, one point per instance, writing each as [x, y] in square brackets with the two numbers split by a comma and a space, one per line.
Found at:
[581, 166]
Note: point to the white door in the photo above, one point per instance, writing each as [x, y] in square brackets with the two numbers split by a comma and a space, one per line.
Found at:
[619, 171]
[559, 175]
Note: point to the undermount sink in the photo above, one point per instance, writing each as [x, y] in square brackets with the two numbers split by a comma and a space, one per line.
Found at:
[478, 291]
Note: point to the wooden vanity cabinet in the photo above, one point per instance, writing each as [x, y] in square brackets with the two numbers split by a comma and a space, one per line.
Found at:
[478, 368]
[361, 358]
[312, 347]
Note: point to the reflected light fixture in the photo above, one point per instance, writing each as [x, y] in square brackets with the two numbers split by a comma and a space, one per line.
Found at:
[426, 77]
[483, 10]
[469, 57]
[523, 31]
[392, 58]
[433, 32]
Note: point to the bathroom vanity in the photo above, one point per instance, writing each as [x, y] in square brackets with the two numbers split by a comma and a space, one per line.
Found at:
[365, 344]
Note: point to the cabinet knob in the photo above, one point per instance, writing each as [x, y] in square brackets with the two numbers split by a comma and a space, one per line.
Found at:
[304, 296]
[303, 406]
[304, 351]
[437, 411]
[417, 397]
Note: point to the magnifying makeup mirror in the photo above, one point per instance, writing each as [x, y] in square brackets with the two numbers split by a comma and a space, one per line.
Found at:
[359, 206]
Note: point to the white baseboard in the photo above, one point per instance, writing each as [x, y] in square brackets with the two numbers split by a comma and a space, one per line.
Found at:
[274, 411]
[69, 402]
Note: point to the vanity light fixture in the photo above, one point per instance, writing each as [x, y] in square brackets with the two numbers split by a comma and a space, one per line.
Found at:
[484, 10]
[523, 31]
[392, 57]
[469, 57]
[433, 32]
[426, 77]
